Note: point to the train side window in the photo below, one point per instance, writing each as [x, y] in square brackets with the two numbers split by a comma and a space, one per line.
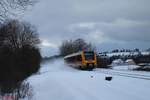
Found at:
[79, 58]
[72, 59]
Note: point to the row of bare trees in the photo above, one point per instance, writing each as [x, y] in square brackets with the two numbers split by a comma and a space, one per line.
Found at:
[73, 46]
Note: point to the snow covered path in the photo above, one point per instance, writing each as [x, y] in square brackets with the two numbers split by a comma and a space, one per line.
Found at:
[57, 81]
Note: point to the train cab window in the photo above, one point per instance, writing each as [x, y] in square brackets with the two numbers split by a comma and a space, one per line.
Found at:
[89, 55]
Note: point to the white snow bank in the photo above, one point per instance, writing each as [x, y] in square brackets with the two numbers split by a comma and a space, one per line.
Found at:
[117, 62]
[125, 67]
[145, 53]
[130, 62]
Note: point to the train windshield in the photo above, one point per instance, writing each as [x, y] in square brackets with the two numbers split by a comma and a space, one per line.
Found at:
[89, 55]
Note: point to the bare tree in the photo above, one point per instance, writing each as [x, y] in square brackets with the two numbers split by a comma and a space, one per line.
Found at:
[17, 34]
[19, 54]
[10, 8]
[80, 44]
[66, 48]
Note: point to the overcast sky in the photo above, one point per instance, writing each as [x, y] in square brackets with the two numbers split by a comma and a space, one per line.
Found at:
[108, 24]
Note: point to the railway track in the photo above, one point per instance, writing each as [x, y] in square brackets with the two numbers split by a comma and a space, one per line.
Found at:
[126, 74]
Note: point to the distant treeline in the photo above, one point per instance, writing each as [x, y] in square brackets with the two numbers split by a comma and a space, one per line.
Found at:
[124, 50]
[72, 46]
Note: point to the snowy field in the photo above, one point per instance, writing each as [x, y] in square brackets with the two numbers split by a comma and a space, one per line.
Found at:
[57, 81]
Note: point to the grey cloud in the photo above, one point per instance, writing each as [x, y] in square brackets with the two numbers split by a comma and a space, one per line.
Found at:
[127, 30]
[98, 21]
[120, 30]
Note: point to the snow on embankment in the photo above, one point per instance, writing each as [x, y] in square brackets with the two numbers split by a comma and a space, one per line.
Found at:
[54, 66]
[119, 64]
[57, 81]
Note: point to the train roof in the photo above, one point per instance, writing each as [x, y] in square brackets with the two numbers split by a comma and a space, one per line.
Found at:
[74, 54]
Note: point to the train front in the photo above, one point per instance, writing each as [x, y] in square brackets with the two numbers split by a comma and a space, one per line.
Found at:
[89, 60]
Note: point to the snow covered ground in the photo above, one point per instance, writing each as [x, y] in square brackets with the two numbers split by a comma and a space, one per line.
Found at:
[57, 81]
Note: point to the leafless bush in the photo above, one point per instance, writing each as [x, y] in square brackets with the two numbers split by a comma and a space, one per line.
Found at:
[23, 90]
